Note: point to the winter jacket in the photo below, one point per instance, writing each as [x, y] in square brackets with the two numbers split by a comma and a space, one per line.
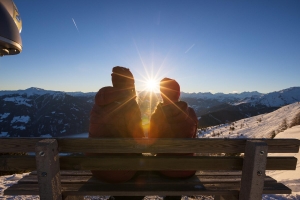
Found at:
[174, 121]
[115, 114]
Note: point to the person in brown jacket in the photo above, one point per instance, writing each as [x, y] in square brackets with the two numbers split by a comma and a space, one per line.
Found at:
[173, 119]
[116, 114]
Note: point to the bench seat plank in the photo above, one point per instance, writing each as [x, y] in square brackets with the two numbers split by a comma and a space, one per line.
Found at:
[153, 178]
[88, 173]
[149, 189]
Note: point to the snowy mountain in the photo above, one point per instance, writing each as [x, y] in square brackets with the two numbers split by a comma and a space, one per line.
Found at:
[28, 92]
[220, 96]
[38, 112]
[38, 91]
[274, 99]
[233, 109]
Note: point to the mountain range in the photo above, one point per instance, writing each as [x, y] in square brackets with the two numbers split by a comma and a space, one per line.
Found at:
[35, 112]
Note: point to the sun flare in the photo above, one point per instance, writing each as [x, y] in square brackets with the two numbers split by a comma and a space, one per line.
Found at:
[152, 85]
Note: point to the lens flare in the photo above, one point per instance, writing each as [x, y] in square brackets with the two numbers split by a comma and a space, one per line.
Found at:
[152, 85]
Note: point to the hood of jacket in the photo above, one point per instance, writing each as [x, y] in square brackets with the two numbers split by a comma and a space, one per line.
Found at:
[175, 112]
[107, 95]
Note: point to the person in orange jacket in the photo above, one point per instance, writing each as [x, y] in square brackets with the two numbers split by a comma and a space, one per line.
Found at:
[116, 114]
[173, 118]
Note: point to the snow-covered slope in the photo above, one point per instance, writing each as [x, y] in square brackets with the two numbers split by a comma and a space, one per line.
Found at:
[289, 178]
[264, 126]
[260, 126]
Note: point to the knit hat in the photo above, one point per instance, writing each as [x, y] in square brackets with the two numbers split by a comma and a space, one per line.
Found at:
[170, 90]
[122, 77]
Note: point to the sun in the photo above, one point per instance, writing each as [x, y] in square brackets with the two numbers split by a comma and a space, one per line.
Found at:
[152, 85]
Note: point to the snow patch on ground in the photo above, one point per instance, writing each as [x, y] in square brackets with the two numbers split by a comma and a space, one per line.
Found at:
[23, 119]
[46, 136]
[289, 178]
[260, 126]
[4, 134]
[19, 127]
[4, 115]
[18, 100]
[9, 180]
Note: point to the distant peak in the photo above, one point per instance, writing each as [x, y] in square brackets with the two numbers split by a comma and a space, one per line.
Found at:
[34, 89]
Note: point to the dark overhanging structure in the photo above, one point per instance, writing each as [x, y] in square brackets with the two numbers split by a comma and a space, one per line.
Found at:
[10, 28]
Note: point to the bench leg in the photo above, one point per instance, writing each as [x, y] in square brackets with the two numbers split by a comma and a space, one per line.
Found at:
[254, 167]
[47, 163]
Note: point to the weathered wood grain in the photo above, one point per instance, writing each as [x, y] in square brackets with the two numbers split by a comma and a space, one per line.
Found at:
[145, 163]
[47, 162]
[145, 177]
[226, 197]
[209, 180]
[70, 173]
[102, 145]
[72, 197]
[207, 173]
[254, 167]
[142, 189]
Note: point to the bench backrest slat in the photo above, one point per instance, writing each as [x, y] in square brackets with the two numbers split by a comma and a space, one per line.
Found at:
[149, 145]
[11, 163]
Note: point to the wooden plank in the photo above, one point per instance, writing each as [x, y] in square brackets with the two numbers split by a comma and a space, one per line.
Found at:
[285, 163]
[70, 173]
[149, 163]
[147, 178]
[152, 163]
[73, 197]
[18, 144]
[16, 163]
[226, 197]
[207, 172]
[186, 145]
[279, 188]
[140, 189]
[220, 173]
[47, 162]
[254, 167]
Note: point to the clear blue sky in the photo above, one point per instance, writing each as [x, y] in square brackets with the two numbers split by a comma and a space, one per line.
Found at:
[207, 46]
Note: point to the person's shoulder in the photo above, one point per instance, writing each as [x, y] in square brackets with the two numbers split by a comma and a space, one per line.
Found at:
[185, 104]
[106, 89]
[158, 111]
[104, 96]
[192, 114]
[182, 103]
[158, 107]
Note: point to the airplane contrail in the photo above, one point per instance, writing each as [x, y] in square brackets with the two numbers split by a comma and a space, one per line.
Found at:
[190, 48]
[75, 25]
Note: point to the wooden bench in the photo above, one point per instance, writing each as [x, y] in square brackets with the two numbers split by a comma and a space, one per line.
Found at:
[60, 176]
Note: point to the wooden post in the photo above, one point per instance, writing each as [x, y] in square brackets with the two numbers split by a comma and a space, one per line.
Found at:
[47, 163]
[254, 167]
